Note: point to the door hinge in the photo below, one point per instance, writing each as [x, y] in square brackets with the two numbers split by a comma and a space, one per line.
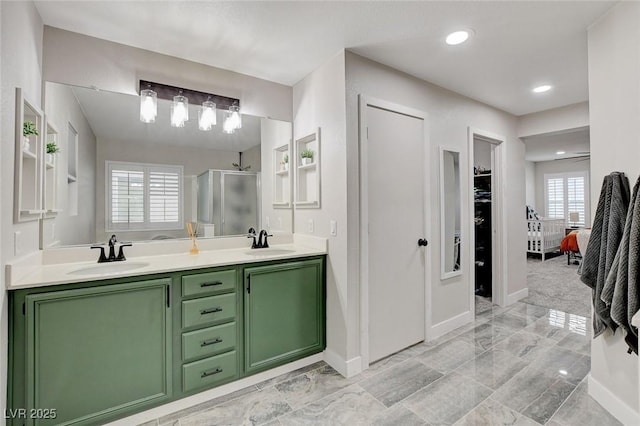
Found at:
[249, 284]
[168, 296]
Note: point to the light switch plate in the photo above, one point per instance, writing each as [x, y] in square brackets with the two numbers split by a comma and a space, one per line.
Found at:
[310, 226]
[333, 225]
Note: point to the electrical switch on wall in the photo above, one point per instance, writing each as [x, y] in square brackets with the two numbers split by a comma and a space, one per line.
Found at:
[333, 225]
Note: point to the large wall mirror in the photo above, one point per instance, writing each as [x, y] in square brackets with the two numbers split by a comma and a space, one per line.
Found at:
[144, 181]
[450, 211]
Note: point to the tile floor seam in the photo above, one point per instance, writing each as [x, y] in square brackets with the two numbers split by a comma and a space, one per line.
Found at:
[545, 391]
[561, 405]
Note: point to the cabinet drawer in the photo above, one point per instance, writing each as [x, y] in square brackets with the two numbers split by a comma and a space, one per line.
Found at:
[208, 341]
[209, 371]
[208, 310]
[211, 282]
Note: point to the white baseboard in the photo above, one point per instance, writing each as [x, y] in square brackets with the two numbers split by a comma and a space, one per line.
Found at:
[210, 394]
[614, 405]
[518, 295]
[448, 325]
[348, 368]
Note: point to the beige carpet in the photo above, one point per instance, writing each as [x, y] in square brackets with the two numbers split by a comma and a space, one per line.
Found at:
[556, 285]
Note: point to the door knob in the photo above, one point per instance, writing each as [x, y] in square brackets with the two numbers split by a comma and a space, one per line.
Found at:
[423, 242]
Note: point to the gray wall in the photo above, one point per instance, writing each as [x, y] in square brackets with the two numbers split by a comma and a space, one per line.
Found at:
[87, 61]
[614, 93]
[21, 53]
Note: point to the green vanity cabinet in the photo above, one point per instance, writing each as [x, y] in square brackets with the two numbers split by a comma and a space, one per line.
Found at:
[92, 353]
[284, 313]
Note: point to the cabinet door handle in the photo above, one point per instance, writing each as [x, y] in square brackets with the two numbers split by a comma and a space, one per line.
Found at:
[210, 342]
[210, 372]
[210, 284]
[210, 311]
[248, 284]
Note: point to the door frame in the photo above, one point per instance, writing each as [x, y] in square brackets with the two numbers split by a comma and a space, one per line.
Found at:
[365, 101]
[499, 292]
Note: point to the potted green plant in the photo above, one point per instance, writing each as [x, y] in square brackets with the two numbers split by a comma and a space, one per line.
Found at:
[307, 156]
[284, 164]
[52, 148]
[28, 128]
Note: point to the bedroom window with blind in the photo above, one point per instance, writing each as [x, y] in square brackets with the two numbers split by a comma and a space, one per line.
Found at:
[566, 193]
[143, 196]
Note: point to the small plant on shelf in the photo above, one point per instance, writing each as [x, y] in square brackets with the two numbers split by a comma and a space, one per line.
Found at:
[52, 148]
[29, 128]
[307, 156]
[284, 164]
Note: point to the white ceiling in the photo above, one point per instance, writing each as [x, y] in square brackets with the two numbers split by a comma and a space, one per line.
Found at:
[115, 116]
[574, 143]
[516, 46]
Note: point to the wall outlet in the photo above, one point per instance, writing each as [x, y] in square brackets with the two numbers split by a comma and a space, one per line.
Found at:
[16, 243]
[310, 226]
[267, 222]
[333, 225]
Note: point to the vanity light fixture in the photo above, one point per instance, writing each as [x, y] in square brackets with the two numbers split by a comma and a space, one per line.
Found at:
[179, 110]
[180, 97]
[207, 116]
[457, 37]
[542, 89]
[148, 105]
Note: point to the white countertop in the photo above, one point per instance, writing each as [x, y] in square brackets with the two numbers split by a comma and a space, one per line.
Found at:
[28, 272]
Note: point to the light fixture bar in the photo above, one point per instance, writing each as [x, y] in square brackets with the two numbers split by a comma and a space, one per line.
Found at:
[167, 92]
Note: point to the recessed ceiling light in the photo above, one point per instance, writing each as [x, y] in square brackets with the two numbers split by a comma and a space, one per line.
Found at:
[560, 152]
[542, 89]
[457, 37]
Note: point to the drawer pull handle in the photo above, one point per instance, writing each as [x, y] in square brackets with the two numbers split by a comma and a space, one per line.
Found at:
[210, 372]
[211, 284]
[210, 311]
[210, 342]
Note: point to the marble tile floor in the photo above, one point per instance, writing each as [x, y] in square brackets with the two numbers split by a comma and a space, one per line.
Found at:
[522, 365]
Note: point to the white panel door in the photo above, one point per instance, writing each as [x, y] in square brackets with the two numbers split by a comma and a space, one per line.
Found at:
[396, 263]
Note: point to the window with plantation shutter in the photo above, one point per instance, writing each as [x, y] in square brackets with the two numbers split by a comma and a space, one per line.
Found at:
[143, 196]
[566, 193]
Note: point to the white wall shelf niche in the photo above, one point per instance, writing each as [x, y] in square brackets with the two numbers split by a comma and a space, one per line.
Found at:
[282, 177]
[28, 158]
[50, 184]
[307, 181]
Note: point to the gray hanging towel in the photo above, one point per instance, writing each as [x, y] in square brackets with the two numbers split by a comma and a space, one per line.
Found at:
[606, 234]
[622, 288]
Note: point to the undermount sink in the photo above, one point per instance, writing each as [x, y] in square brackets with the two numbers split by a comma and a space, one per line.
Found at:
[268, 251]
[109, 268]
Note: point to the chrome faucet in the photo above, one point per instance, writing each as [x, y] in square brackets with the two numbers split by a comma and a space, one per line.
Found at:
[112, 254]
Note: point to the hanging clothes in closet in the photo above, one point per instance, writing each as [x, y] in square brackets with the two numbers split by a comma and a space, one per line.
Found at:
[606, 235]
[621, 291]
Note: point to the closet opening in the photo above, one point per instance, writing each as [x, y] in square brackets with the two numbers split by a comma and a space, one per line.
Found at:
[483, 196]
[486, 221]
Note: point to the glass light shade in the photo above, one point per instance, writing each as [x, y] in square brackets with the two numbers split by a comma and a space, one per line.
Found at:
[207, 116]
[228, 126]
[179, 111]
[236, 119]
[148, 106]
